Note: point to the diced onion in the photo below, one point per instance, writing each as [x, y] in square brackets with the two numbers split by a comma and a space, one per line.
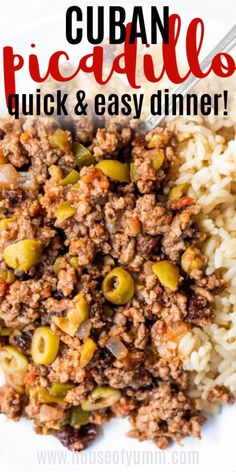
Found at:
[84, 330]
[9, 177]
[117, 348]
[27, 181]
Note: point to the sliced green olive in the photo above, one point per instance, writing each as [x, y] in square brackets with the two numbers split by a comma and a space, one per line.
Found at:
[83, 156]
[6, 331]
[45, 345]
[12, 361]
[64, 211]
[5, 223]
[157, 157]
[78, 416]
[132, 172]
[178, 191]
[74, 262]
[115, 170]
[44, 396]
[55, 394]
[108, 260]
[167, 273]
[154, 141]
[191, 260]
[118, 286]
[87, 352]
[58, 265]
[60, 139]
[55, 172]
[60, 389]
[23, 255]
[75, 317]
[101, 397]
[71, 178]
[7, 275]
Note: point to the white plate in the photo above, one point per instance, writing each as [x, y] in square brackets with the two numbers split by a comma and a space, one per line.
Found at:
[21, 450]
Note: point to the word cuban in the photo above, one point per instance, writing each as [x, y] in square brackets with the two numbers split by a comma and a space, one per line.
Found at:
[80, 24]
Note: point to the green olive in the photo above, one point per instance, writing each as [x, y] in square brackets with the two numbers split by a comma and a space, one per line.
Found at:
[75, 317]
[83, 156]
[60, 139]
[132, 172]
[56, 173]
[101, 397]
[118, 286]
[157, 157]
[71, 178]
[191, 260]
[6, 331]
[5, 223]
[87, 352]
[115, 170]
[23, 255]
[58, 265]
[12, 361]
[178, 191]
[78, 416]
[167, 273]
[74, 262]
[60, 389]
[108, 260]
[64, 211]
[55, 394]
[44, 396]
[157, 140]
[7, 275]
[45, 345]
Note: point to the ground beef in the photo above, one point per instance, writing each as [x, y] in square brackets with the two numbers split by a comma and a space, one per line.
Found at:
[155, 218]
[166, 414]
[108, 141]
[220, 394]
[10, 402]
[181, 228]
[128, 224]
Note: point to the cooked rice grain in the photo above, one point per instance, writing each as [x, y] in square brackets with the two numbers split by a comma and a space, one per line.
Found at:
[208, 164]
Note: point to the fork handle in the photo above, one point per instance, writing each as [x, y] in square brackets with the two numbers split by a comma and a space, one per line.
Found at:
[226, 44]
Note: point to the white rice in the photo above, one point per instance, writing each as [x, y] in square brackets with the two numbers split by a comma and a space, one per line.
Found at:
[209, 165]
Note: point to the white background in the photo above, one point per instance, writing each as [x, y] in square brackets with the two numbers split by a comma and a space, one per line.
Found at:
[16, 13]
[19, 447]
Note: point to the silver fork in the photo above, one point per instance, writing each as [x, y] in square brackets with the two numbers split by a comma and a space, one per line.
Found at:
[226, 44]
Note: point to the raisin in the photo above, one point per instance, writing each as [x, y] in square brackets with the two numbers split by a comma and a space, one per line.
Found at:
[78, 439]
[22, 276]
[58, 295]
[15, 196]
[146, 246]
[23, 342]
[199, 312]
[3, 340]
